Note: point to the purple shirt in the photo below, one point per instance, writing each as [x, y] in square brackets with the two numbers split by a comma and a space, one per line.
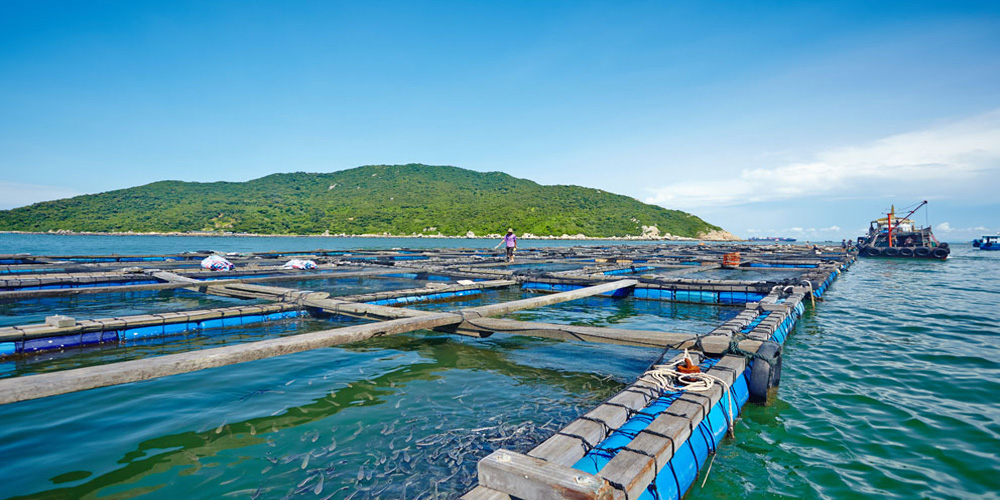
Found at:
[511, 240]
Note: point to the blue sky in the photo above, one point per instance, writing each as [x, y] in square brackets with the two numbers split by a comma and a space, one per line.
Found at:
[801, 119]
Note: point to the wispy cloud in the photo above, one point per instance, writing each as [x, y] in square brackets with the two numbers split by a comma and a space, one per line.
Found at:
[952, 159]
[817, 233]
[945, 228]
[14, 194]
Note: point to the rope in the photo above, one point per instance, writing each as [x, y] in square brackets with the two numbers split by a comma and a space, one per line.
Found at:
[667, 378]
[812, 299]
[583, 441]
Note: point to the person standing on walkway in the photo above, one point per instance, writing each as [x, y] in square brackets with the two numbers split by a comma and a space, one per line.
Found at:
[511, 241]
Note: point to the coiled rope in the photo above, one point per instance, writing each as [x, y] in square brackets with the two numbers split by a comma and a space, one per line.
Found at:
[667, 378]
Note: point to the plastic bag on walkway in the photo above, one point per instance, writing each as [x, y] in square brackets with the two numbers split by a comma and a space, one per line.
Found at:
[217, 263]
[299, 264]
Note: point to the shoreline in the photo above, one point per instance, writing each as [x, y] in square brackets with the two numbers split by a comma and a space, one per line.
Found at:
[526, 236]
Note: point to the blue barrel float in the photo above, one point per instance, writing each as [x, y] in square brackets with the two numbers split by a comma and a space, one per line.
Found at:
[677, 476]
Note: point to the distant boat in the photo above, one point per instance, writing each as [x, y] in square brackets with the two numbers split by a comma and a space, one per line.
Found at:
[770, 238]
[989, 242]
[893, 236]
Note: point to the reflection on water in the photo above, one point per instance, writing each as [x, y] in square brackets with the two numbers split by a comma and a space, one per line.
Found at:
[888, 390]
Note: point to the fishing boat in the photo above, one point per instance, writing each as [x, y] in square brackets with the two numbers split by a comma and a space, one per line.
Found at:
[770, 238]
[899, 237]
[989, 242]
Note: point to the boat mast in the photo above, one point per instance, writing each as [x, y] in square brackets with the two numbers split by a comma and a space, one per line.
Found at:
[888, 220]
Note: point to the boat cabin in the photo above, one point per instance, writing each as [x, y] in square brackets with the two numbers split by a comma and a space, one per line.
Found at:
[989, 242]
[897, 232]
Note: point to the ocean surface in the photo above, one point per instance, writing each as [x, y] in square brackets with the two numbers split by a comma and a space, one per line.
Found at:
[889, 389]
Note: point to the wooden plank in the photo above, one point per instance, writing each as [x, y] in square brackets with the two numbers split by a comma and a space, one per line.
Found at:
[516, 305]
[484, 493]
[26, 294]
[172, 277]
[526, 477]
[49, 384]
[364, 311]
[411, 292]
[37, 386]
[23, 332]
[566, 447]
[354, 309]
[634, 470]
[714, 344]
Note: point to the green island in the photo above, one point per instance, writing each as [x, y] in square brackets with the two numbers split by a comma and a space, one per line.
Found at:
[397, 200]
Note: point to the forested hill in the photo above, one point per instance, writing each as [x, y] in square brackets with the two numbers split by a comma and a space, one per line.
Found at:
[395, 199]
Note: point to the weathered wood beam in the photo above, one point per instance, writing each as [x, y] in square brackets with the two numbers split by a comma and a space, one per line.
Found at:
[50, 384]
[479, 285]
[709, 344]
[517, 305]
[526, 477]
[201, 286]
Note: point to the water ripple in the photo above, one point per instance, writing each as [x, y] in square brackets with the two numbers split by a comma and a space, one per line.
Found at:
[889, 390]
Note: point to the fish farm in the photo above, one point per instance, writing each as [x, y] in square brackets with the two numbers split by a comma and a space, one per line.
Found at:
[89, 325]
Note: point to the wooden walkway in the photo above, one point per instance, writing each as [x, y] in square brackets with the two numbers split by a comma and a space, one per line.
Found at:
[734, 352]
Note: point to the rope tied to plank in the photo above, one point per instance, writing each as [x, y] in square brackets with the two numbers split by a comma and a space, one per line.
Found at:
[669, 378]
[734, 348]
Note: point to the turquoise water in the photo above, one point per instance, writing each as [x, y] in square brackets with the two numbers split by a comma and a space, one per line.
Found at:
[888, 390]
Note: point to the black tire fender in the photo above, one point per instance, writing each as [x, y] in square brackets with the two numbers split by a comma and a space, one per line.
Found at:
[765, 374]
[922, 252]
[940, 253]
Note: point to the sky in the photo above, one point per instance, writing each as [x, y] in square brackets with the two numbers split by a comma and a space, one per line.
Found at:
[768, 118]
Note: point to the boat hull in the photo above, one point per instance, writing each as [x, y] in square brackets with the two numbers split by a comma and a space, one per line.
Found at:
[935, 253]
[990, 243]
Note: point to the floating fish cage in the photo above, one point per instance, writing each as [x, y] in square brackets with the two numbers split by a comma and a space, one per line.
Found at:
[649, 439]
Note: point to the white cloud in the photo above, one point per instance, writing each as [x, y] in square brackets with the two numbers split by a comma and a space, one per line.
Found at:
[14, 194]
[946, 229]
[820, 234]
[955, 159]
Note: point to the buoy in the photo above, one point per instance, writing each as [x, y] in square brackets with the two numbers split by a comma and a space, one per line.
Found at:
[765, 374]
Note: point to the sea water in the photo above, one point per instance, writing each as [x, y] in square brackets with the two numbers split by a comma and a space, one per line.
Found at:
[888, 389]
